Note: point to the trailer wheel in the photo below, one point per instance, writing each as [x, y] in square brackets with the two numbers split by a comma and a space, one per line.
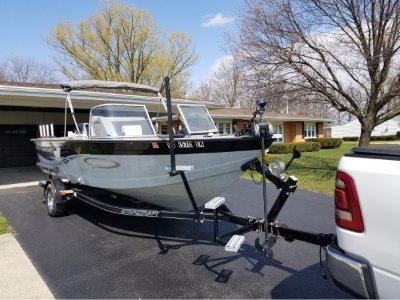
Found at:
[54, 209]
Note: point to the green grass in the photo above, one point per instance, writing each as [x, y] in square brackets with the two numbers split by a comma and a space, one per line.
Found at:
[315, 170]
[4, 227]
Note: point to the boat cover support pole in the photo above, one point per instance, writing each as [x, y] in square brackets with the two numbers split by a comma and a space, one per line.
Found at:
[170, 128]
[71, 108]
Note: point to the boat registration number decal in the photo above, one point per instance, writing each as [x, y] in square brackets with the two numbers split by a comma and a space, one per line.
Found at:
[188, 144]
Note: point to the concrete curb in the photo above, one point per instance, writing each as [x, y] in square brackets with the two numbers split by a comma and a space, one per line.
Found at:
[18, 277]
[16, 185]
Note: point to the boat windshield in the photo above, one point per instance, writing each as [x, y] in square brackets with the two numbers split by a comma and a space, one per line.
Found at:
[120, 120]
[196, 118]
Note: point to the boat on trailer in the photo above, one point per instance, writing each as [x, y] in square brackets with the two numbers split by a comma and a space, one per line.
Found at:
[117, 157]
[119, 150]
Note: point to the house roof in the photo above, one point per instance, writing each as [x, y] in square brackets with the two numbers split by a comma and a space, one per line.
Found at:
[247, 114]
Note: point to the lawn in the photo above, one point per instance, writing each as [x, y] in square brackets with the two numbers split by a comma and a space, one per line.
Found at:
[315, 170]
[4, 228]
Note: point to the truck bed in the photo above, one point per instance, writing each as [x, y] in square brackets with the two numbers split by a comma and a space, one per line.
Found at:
[391, 152]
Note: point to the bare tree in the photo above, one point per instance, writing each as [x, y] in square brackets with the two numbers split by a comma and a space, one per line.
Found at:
[227, 84]
[123, 43]
[236, 85]
[3, 72]
[343, 52]
[20, 69]
[203, 92]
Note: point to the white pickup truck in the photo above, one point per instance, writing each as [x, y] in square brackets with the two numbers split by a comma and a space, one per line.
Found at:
[366, 261]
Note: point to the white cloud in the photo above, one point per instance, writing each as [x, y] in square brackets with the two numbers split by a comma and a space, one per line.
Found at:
[217, 20]
[220, 62]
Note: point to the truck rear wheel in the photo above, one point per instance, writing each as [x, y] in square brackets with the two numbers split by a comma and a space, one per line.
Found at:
[54, 208]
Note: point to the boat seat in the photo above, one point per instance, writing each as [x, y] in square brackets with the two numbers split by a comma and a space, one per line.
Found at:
[182, 133]
[101, 128]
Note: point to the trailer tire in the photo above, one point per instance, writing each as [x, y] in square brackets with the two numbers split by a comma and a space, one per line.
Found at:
[54, 209]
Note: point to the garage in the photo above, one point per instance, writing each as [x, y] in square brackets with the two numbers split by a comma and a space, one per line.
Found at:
[16, 149]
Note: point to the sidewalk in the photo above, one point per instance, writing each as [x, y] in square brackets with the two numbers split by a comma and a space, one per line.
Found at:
[18, 277]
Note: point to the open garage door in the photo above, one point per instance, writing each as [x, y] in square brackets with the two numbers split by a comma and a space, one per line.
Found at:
[16, 149]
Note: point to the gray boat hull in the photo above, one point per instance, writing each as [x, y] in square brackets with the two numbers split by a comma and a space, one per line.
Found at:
[145, 177]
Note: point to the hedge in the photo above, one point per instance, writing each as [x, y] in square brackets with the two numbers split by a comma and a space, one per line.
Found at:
[327, 143]
[398, 135]
[384, 138]
[392, 137]
[283, 148]
[350, 138]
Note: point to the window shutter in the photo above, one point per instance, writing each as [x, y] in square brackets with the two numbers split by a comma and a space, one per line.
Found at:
[316, 129]
[302, 130]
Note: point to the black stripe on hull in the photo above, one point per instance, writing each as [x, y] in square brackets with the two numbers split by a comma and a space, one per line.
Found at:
[46, 147]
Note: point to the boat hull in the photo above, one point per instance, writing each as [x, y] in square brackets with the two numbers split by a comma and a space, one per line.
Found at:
[140, 169]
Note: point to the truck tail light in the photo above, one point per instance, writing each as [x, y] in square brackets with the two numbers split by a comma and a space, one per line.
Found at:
[347, 207]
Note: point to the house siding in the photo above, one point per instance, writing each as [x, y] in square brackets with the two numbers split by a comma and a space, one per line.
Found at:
[353, 128]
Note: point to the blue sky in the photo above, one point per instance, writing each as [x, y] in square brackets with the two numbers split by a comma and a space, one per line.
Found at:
[25, 24]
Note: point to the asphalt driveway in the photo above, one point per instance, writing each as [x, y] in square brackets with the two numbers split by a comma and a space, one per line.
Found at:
[94, 254]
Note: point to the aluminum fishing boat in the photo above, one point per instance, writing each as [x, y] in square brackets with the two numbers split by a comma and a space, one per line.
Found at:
[119, 150]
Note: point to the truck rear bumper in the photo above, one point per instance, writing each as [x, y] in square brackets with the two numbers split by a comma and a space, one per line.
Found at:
[349, 273]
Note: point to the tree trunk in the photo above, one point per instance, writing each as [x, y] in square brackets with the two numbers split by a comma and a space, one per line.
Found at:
[365, 136]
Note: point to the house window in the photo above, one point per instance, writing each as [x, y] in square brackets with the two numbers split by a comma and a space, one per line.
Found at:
[221, 128]
[309, 130]
[228, 128]
[278, 132]
[224, 128]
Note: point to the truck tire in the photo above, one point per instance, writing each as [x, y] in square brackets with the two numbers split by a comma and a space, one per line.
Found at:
[54, 209]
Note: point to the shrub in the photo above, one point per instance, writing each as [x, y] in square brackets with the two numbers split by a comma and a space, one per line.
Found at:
[327, 143]
[381, 138]
[350, 138]
[283, 148]
[384, 138]
[377, 138]
[392, 137]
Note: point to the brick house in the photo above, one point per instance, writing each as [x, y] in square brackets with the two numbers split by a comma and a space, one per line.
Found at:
[287, 127]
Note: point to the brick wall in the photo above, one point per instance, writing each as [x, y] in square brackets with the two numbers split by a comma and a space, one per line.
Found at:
[292, 132]
[320, 130]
